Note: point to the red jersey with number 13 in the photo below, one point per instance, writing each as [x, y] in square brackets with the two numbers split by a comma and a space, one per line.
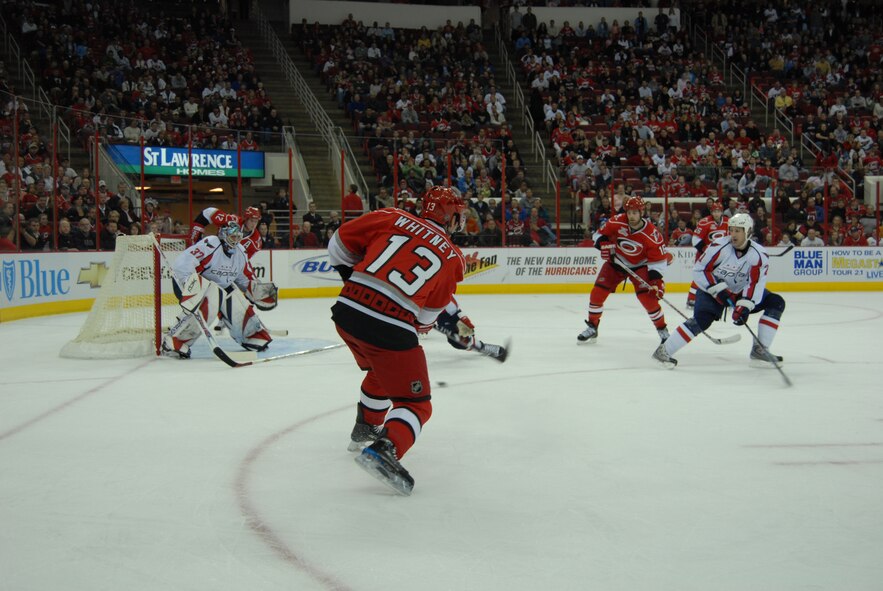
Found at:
[405, 268]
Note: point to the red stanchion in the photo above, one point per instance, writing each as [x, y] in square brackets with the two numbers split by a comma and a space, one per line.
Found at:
[16, 179]
[55, 191]
[190, 180]
[665, 216]
[877, 227]
[290, 199]
[504, 223]
[97, 202]
[449, 160]
[773, 208]
[342, 186]
[143, 206]
[395, 179]
[239, 173]
[558, 213]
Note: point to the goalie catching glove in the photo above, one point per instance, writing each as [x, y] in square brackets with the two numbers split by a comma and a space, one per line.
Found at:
[264, 296]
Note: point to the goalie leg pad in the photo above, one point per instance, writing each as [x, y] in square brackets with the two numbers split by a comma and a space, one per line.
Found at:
[245, 326]
[177, 341]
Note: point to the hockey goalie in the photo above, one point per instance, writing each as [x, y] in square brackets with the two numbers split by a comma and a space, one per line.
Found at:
[206, 276]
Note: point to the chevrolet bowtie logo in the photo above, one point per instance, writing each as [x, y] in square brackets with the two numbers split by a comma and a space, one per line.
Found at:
[93, 275]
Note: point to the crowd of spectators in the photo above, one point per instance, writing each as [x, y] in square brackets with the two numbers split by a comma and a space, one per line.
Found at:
[426, 106]
[129, 72]
[634, 108]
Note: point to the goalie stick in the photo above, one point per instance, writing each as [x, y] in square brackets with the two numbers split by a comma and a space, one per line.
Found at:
[728, 340]
[246, 358]
[231, 358]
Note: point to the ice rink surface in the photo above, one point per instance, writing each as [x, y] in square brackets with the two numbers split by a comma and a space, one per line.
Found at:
[566, 468]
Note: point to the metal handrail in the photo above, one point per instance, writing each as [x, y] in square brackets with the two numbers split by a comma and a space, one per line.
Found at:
[302, 198]
[352, 171]
[330, 132]
[111, 174]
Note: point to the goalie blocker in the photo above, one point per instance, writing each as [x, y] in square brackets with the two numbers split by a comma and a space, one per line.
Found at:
[206, 275]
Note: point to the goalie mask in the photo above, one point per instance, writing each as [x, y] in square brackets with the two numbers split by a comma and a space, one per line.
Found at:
[230, 235]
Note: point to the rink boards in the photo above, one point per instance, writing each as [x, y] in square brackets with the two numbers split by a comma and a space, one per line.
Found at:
[35, 284]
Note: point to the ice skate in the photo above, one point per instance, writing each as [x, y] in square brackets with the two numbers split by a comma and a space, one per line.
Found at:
[663, 334]
[380, 461]
[662, 356]
[363, 434]
[760, 356]
[589, 335]
[171, 348]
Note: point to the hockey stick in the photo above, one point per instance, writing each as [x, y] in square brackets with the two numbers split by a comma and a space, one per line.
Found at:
[231, 358]
[728, 340]
[506, 348]
[788, 249]
[236, 360]
[770, 357]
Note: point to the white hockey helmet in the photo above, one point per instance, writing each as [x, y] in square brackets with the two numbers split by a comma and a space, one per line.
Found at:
[744, 221]
[230, 235]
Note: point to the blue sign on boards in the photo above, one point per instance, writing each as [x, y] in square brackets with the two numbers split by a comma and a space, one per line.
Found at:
[25, 279]
[164, 161]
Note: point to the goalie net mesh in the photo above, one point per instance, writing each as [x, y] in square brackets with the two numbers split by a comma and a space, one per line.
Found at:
[135, 304]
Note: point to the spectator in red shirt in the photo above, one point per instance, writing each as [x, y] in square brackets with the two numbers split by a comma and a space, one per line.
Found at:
[352, 204]
[856, 236]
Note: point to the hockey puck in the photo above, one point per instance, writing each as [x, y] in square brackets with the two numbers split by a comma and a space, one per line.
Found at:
[441, 384]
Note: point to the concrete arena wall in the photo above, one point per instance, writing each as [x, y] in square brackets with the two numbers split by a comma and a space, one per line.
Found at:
[38, 284]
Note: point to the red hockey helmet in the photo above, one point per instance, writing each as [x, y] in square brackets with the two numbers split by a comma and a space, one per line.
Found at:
[251, 213]
[717, 206]
[442, 205]
[635, 203]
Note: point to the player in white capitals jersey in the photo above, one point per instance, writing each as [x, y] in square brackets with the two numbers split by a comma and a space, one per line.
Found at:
[732, 272]
[205, 276]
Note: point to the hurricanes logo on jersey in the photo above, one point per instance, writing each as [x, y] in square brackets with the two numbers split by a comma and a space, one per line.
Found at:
[629, 247]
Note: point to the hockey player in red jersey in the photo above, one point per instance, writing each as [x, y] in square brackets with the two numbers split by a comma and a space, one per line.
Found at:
[400, 271]
[709, 229]
[629, 238]
[251, 217]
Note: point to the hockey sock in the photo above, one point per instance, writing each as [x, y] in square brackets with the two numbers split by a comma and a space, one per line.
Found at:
[372, 409]
[654, 310]
[679, 338]
[766, 330]
[596, 304]
[403, 426]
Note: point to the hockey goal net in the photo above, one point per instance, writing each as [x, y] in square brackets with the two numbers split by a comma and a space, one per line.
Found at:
[135, 304]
